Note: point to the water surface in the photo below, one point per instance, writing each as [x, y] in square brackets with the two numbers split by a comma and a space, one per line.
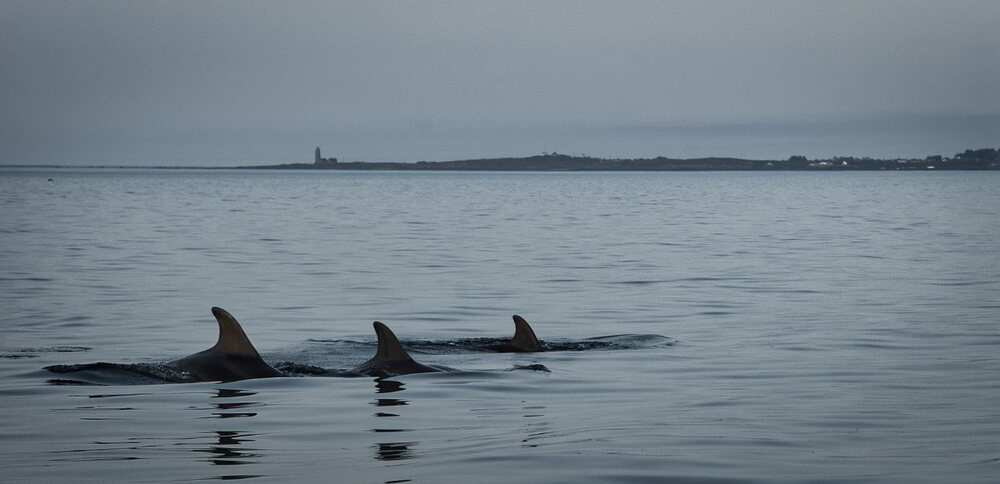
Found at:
[832, 327]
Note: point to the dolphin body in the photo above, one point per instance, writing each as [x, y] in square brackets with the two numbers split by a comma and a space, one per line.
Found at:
[390, 358]
[524, 340]
[232, 358]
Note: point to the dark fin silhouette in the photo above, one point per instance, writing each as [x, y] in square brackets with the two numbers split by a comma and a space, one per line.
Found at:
[232, 358]
[232, 339]
[390, 357]
[389, 347]
[524, 339]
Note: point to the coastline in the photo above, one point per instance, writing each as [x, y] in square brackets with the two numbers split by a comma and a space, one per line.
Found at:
[970, 160]
[560, 162]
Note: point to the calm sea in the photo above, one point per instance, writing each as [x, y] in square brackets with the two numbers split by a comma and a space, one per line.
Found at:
[820, 327]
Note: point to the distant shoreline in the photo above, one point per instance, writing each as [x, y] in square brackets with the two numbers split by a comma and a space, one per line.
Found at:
[985, 159]
[982, 159]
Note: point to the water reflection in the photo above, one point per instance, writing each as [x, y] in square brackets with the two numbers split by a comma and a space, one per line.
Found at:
[393, 451]
[230, 446]
[226, 451]
[144, 437]
[536, 429]
[385, 451]
[227, 393]
[388, 386]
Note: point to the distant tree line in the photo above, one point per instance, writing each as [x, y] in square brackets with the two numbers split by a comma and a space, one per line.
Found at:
[980, 159]
[985, 155]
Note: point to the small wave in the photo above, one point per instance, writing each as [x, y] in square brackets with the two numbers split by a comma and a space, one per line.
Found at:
[52, 349]
[103, 373]
[642, 282]
[292, 368]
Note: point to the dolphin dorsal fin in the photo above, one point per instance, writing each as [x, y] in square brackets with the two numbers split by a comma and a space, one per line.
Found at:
[388, 346]
[232, 339]
[524, 337]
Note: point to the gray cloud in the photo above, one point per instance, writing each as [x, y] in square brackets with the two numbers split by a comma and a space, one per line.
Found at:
[226, 82]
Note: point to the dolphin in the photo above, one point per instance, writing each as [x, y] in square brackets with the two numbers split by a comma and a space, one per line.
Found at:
[390, 357]
[232, 358]
[524, 340]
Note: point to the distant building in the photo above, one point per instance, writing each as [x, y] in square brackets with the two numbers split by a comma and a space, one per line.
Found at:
[319, 160]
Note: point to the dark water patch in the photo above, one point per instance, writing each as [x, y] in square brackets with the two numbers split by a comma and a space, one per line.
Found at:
[235, 477]
[56, 349]
[642, 282]
[994, 460]
[390, 402]
[97, 459]
[231, 393]
[474, 345]
[802, 348]
[291, 368]
[104, 373]
[224, 409]
[17, 356]
[234, 414]
[961, 283]
[69, 382]
[93, 407]
[534, 367]
[985, 341]
[392, 451]
[27, 279]
[880, 345]
[236, 405]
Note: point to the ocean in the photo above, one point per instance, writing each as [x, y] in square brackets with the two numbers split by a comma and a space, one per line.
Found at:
[753, 327]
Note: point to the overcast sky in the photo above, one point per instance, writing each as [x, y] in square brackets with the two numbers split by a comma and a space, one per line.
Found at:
[247, 82]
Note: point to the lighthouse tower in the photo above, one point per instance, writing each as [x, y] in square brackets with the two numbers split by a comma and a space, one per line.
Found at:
[318, 158]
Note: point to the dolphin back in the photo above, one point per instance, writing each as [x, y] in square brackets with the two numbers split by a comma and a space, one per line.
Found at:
[232, 358]
[390, 357]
